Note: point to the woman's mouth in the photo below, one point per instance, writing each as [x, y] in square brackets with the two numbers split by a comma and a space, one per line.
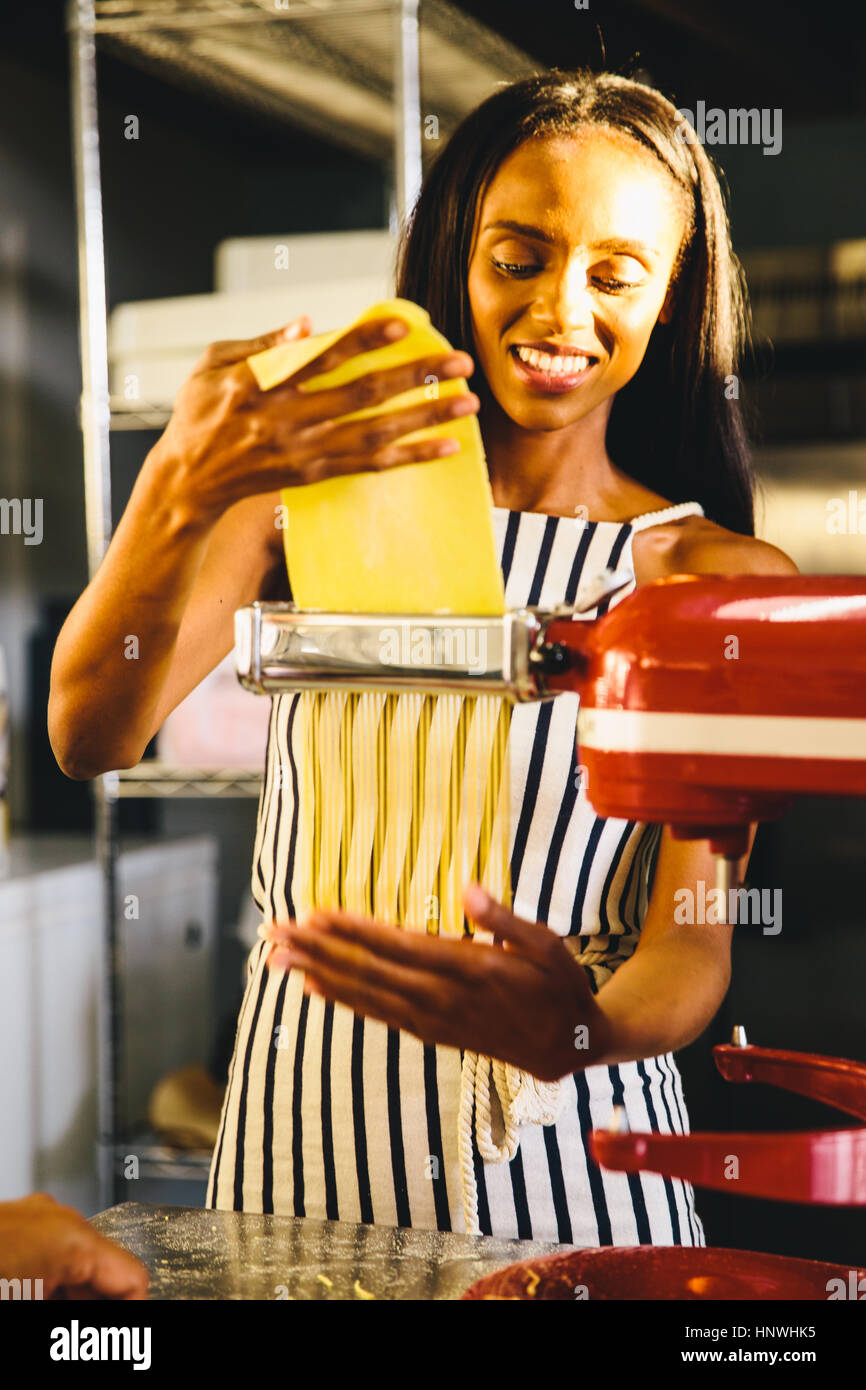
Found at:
[548, 373]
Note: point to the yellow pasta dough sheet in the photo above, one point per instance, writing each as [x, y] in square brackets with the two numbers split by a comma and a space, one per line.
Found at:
[413, 539]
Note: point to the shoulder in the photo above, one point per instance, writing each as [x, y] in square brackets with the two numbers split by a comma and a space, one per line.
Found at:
[697, 546]
[710, 549]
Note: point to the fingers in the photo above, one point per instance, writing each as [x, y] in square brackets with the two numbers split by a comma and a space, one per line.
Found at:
[466, 1011]
[376, 943]
[394, 457]
[364, 337]
[39, 1238]
[374, 387]
[114, 1273]
[395, 998]
[372, 439]
[358, 978]
[318, 461]
[289, 437]
[224, 354]
[305, 430]
[105, 1270]
[276, 465]
[533, 937]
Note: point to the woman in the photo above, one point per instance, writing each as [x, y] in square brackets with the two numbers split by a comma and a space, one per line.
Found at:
[577, 247]
[573, 240]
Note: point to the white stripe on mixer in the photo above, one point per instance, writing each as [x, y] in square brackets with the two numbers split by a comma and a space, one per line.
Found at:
[747, 735]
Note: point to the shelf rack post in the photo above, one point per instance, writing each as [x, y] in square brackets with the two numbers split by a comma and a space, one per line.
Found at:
[407, 106]
[95, 419]
[95, 422]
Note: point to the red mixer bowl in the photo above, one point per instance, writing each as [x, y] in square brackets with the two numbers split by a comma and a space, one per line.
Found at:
[652, 1272]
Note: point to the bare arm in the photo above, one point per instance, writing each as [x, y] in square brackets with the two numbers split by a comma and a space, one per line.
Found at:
[156, 618]
[198, 540]
[666, 994]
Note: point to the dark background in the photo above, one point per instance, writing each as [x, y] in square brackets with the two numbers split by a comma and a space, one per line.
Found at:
[203, 172]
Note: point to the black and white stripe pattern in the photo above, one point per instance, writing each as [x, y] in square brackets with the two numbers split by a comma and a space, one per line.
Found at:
[330, 1115]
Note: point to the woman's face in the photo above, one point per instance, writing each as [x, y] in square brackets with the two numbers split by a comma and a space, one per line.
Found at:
[573, 249]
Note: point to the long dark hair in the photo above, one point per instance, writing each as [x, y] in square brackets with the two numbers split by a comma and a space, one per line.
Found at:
[677, 427]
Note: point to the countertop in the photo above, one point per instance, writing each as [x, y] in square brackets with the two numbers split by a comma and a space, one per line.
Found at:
[196, 1254]
[36, 853]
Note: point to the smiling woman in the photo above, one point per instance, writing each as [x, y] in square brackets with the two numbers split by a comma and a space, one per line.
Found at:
[567, 217]
[566, 265]
[579, 251]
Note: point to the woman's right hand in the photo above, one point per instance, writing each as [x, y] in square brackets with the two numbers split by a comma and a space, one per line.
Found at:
[227, 439]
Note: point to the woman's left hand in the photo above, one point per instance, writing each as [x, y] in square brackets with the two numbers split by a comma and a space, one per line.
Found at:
[523, 1000]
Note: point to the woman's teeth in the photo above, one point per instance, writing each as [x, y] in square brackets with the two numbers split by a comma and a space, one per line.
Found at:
[543, 362]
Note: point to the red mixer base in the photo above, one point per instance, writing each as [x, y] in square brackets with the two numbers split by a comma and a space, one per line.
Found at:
[652, 1272]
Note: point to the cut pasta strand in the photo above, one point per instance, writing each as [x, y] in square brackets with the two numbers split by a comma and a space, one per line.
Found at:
[404, 799]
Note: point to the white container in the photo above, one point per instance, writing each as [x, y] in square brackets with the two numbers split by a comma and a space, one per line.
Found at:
[51, 959]
[272, 262]
[153, 345]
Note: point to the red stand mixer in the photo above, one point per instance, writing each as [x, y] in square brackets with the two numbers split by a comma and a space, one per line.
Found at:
[706, 704]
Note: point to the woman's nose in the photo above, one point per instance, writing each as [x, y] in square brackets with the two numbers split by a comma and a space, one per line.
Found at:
[570, 299]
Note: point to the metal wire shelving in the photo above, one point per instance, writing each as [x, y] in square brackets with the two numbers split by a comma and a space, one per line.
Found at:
[347, 71]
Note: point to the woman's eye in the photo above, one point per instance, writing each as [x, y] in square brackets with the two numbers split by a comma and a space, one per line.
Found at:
[609, 283]
[513, 268]
[614, 286]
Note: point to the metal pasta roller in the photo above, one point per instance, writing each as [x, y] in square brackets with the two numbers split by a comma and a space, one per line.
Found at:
[706, 702]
